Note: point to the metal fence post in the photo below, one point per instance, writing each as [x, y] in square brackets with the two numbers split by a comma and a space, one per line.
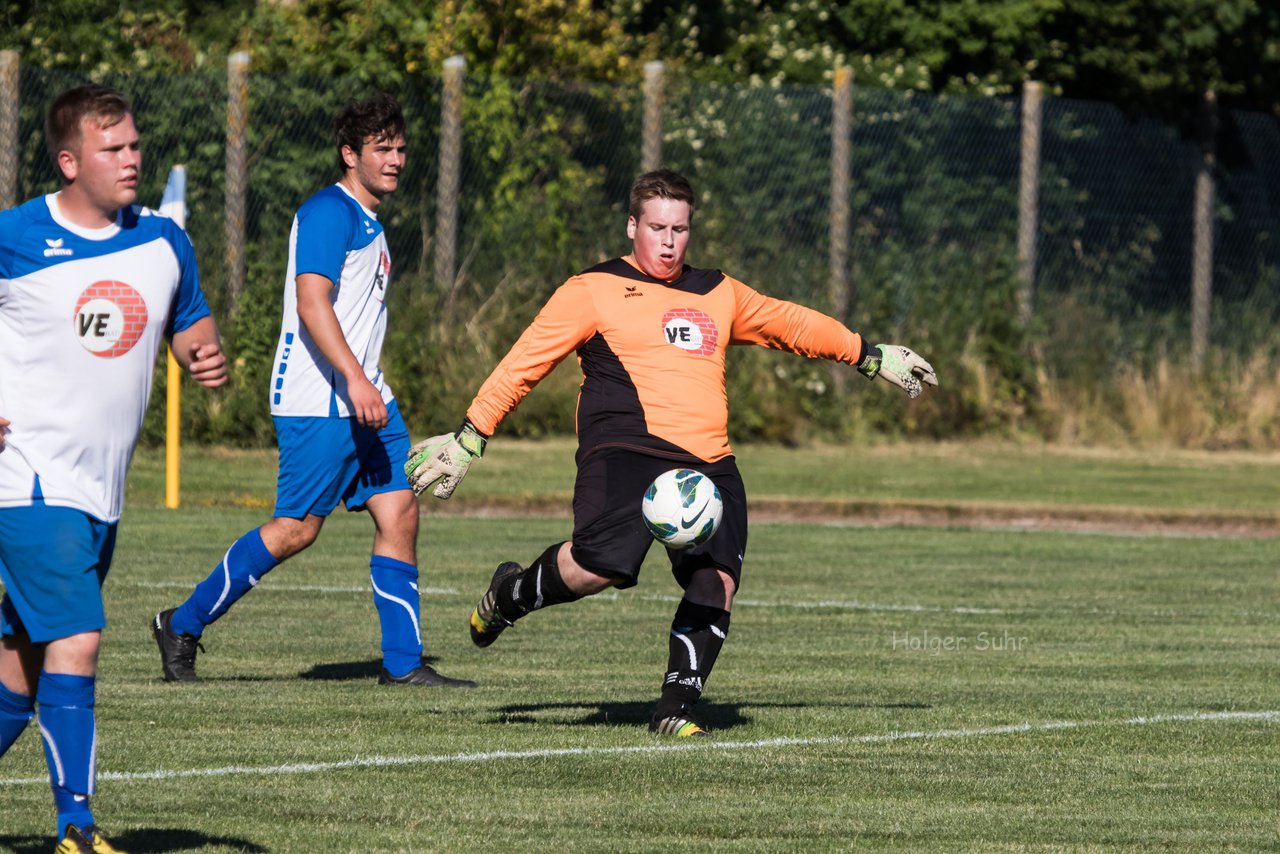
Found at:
[9, 100]
[450, 171]
[237, 180]
[1202, 242]
[651, 136]
[1029, 196]
[841, 125]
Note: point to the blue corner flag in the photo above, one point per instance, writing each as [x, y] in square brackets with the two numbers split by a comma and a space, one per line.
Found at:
[174, 202]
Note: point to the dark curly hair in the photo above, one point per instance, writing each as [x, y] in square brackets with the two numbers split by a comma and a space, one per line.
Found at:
[375, 119]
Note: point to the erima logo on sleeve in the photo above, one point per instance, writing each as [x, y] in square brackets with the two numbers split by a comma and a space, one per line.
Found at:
[691, 330]
[109, 319]
[56, 249]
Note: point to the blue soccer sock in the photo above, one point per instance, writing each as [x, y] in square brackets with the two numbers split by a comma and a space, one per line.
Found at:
[69, 730]
[16, 711]
[239, 572]
[395, 595]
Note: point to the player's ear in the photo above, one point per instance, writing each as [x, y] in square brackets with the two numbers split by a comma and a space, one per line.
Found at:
[631, 228]
[350, 156]
[68, 165]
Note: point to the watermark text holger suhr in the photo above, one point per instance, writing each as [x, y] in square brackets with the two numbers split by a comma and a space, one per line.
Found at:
[937, 644]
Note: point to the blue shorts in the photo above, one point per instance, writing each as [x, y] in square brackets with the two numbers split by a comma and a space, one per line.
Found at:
[327, 460]
[53, 561]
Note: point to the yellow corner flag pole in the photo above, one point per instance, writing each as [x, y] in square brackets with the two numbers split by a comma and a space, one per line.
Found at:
[174, 205]
[172, 432]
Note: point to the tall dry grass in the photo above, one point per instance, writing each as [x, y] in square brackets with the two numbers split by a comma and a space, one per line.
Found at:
[1232, 403]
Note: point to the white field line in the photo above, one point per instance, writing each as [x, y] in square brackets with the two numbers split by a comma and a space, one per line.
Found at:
[556, 752]
[607, 596]
[278, 588]
[840, 604]
[614, 595]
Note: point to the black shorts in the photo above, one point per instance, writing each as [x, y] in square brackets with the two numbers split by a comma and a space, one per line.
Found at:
[609, 534]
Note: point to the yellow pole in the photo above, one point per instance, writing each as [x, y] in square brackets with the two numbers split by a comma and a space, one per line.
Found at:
[172, 432]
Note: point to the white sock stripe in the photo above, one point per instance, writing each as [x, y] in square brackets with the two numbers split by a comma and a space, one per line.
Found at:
[53, 751]
[226, 584]
[413, 617]
[91, 784]
[491, 756]
[693, 653]
[715, 630]
[537, 589]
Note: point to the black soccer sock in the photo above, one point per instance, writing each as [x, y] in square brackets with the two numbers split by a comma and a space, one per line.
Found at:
[697, 634]
[539, 586]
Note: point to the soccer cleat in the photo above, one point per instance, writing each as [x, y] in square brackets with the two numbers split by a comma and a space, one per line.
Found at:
[424, 675]
[682, 724]
[87, 841]
[177, 652]
[487, 621]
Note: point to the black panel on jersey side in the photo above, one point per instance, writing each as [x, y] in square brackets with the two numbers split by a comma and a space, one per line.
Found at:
[609, 406]
[609, 409]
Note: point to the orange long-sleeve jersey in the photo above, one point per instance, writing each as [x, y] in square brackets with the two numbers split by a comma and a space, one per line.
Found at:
[652, 355]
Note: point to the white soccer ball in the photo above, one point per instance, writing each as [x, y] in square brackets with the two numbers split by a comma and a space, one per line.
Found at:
[682, 508]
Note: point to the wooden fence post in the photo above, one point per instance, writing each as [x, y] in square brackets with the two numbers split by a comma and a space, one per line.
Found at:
[237, 179]
[1029, 197]
[449, 178]
[1202, 242]
[651, 136]
[841, 129]
[10, 98]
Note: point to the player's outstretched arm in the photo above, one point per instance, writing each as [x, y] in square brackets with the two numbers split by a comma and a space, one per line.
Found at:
[898, 365]
[443, 460]
[198, 353]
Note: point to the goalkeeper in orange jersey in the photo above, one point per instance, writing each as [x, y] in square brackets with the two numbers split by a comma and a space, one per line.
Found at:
[651, 334]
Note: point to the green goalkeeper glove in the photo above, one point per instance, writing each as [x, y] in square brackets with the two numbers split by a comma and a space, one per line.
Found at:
[443, 460]
[898, 365]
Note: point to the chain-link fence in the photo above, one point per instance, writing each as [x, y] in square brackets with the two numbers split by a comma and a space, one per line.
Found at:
[544, 170]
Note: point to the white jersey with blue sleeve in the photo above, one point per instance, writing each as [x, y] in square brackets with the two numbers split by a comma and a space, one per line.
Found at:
[336, 237]
[82, 315]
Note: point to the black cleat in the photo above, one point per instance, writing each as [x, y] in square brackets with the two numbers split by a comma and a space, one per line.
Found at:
[423, 675]
[177, 652]
[487, 621]
[682, 724]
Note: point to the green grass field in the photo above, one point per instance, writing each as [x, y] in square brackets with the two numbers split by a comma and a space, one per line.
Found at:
[904, 687]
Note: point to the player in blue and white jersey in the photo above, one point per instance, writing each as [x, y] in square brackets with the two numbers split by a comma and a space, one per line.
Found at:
[339, 431]
[90, 284]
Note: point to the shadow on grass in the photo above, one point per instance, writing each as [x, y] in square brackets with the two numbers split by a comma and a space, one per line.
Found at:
[140, 842]
[350, 670]
[717, 716]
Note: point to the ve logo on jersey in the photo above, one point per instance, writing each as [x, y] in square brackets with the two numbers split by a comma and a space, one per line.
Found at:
[690, 330]
[110, 318]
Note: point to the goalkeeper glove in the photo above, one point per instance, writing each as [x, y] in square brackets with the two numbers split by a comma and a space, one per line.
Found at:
[898, 365]
[444, 459]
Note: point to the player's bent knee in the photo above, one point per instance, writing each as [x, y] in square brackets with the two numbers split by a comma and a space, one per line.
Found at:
[711, 586]
[285, 537]
[75, 654]
[581, 579]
